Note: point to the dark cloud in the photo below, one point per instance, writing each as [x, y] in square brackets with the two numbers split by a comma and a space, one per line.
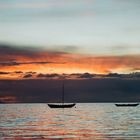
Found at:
[27, 76]
[31, 72]
[65, 76]
[18, 72]
[130, 75]
[1, 72]
[8, 63]
[86, 75]
[35, 75]
[113, 75]
[21, 63]
[27, 51]
[19, 51]
[85, 90]
[54, 75]
[41, 75]
[74, 75]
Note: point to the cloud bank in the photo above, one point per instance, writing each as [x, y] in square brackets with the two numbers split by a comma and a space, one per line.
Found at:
[86, 90]
[45, 61]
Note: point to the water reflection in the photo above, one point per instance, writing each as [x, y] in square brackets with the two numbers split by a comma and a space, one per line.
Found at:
[86, 121]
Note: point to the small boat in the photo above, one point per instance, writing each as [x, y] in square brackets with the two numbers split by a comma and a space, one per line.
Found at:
[126, 104]
[63, 105]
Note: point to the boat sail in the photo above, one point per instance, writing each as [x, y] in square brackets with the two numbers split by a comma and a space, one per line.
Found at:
[63, 105]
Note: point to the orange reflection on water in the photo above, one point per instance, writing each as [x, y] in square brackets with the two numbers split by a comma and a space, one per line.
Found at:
[86, 121]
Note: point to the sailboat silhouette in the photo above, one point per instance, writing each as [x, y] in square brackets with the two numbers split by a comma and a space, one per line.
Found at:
[63, 105]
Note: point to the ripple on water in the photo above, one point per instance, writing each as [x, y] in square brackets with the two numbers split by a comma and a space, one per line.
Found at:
[86, 121]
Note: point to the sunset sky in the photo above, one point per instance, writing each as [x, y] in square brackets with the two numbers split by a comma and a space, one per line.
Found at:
[93, 44]
[73, 36]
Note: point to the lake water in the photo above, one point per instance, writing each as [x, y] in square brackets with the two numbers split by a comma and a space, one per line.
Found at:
[91, 121]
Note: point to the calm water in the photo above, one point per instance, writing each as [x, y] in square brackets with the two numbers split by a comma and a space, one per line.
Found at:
[87, 121]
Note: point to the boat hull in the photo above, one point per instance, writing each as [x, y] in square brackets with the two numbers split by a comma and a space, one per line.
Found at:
[61, 106]
[127, 105]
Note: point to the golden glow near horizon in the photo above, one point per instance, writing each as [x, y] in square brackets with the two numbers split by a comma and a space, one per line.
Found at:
[69, 63]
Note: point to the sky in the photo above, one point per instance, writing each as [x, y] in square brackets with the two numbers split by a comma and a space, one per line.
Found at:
[92, 44]
[59, 36]
[99, 27]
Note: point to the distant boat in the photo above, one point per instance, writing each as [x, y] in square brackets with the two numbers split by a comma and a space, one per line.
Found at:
[63, 105]
[126, 104]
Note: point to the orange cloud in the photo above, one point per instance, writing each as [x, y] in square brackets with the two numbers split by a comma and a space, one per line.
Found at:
[58, 62]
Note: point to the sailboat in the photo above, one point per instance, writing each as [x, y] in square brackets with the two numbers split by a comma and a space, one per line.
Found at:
[63, 105]
[126, 104]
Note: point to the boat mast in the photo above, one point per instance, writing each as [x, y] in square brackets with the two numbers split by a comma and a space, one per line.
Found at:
[63, 92]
